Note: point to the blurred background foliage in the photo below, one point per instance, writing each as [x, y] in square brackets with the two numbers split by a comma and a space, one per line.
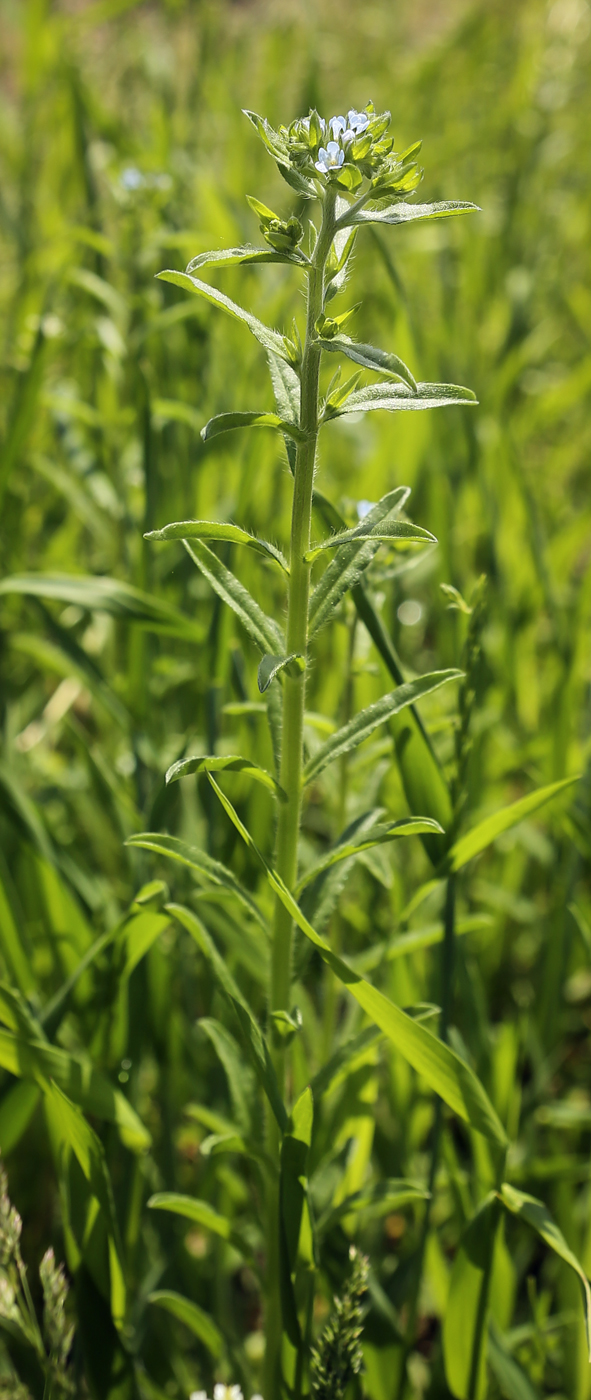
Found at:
[123, 150]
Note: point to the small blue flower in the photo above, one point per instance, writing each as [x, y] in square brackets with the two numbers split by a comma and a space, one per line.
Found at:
[357, 121]
[337, 126]
[330, 158]
[131, 178]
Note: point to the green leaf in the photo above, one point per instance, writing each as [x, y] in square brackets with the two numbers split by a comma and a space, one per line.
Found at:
[374, 1201]
[191, 1208]
[211, 530]
[470, 1267]
[449, 1076]
[199, 1322]
[270, 340]
[209, 870]
[369, 719]
[424, 783]
[95, 593]
[53, 656]
[538, 1216]
[263, 630]
[228, 257]
[384, 533]
[488, 830]
[393, 397]
[320, 897]
[252, 1036]
[272, 666]
[401, 213]
[295, 1231]
[512, 1380]
[75, 1076]
[345, 570]
[227, 422]
[71, 1131]
[369, 357]
[12, 936]
[17, 1107]
[230, 763]
[21, 413]
[377, 836]
[343, 1061]
[238, 1074]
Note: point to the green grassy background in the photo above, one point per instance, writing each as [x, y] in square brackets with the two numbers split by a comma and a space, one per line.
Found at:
[123, 150]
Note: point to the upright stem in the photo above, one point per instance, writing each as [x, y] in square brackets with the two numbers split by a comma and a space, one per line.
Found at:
[294, 691]
[447, 970]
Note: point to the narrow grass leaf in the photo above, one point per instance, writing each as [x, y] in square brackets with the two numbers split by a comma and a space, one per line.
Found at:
[198, 1322]
[374, 1201]
[95, 593]
[371, 718]
[444, 1071]
[487, 831]
[536, 1214]
[209, 870]
[253, 1040]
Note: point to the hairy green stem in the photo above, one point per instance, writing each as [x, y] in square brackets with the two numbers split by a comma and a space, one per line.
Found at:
[294, 690]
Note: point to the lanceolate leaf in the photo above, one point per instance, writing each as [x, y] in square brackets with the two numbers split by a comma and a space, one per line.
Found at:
[191, 1208]
[227, 257]
[369, 357]
[401, 213]
[487, 831]
[198, 1321]
[344, 571]
[270, 340]
[375, 1201]
[227, 422]
[537, 1215]
[449, 1076]
[393, 397]
[369, 719]
[75, 1076]
[377, 836]
[386, 532]
[211, 530]
[424, 783]
[462, 1316]
[320, 897]
[252, 1037]
[263, 630]
[99, 594]
[209, 871]
[229, 763]
[272, 666]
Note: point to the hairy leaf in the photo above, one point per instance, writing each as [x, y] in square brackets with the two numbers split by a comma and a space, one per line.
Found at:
[210, 871]
[386, 532]
[369, 719]
[377, 836]
[451, 1078]
[369, 357]
[270, 340]
[402, 213]
[263, 630]
[227, 422]
[272, 666]
[211, 530]
[229, 763]
[345, 570]
[228, 257]
[393, 397]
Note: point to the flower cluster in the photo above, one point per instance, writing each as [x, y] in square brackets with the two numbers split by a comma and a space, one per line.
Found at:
[351, 148]
[10, 1224]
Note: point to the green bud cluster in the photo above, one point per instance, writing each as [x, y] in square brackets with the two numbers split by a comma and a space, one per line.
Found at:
[281, 234]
